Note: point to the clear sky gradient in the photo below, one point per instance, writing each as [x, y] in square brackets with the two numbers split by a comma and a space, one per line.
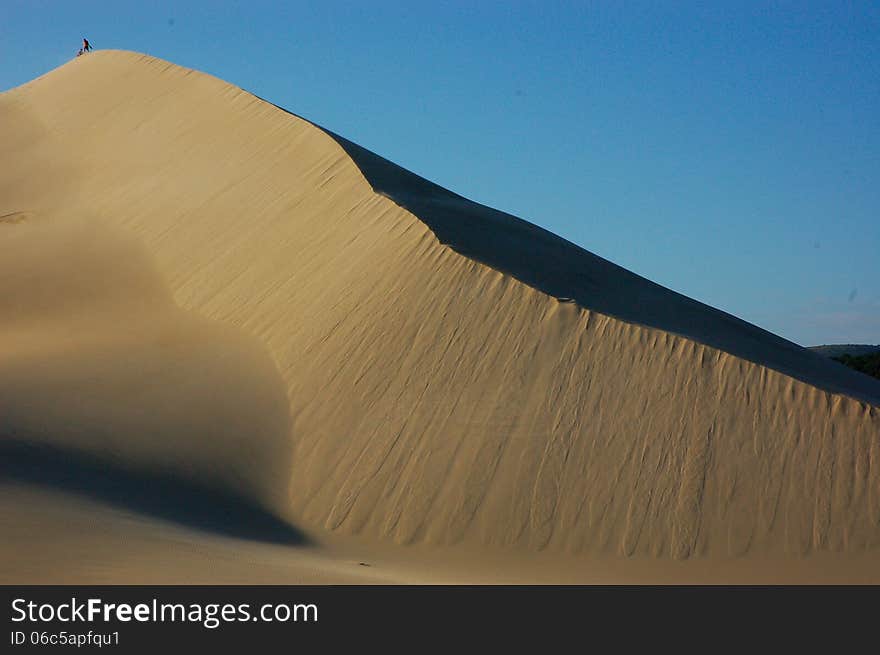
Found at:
[727, 150]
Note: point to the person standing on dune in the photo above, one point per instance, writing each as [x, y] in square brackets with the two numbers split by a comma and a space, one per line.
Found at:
[86, 47]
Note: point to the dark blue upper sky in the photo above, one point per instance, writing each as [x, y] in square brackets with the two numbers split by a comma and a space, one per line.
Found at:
[727, 150]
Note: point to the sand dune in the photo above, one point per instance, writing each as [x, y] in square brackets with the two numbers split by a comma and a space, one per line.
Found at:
[97, 359]
[196, 283]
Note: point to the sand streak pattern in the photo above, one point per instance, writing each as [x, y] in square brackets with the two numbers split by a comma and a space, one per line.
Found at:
[435, 394]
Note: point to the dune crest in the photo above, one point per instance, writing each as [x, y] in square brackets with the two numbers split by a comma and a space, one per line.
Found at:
[451, 373]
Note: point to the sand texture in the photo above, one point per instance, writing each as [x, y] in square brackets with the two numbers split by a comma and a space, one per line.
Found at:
[202, 291]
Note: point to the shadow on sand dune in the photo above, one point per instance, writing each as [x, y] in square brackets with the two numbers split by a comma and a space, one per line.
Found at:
[109, 389]
[161, 495]
[561, 269]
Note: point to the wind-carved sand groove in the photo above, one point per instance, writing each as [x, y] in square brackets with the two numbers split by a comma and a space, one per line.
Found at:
[14, 217]
[438, 392]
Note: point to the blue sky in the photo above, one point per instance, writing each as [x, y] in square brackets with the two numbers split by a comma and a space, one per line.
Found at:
[727, 150]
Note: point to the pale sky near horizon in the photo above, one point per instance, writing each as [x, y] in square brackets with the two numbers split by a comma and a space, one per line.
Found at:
[727, 150]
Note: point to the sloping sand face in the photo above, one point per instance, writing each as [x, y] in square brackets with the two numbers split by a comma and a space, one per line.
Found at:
[97, 360]
[436, 390]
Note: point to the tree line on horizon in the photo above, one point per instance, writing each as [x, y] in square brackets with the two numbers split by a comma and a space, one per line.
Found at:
[868, 364]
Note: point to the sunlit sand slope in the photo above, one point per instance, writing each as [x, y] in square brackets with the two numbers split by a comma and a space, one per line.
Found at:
[445, 372]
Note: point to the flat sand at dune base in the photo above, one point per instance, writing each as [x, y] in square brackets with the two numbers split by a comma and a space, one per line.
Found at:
[53, 538]
[236, 347]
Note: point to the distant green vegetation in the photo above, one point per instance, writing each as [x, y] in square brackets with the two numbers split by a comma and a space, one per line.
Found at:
[869, 364]
[840, 349]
